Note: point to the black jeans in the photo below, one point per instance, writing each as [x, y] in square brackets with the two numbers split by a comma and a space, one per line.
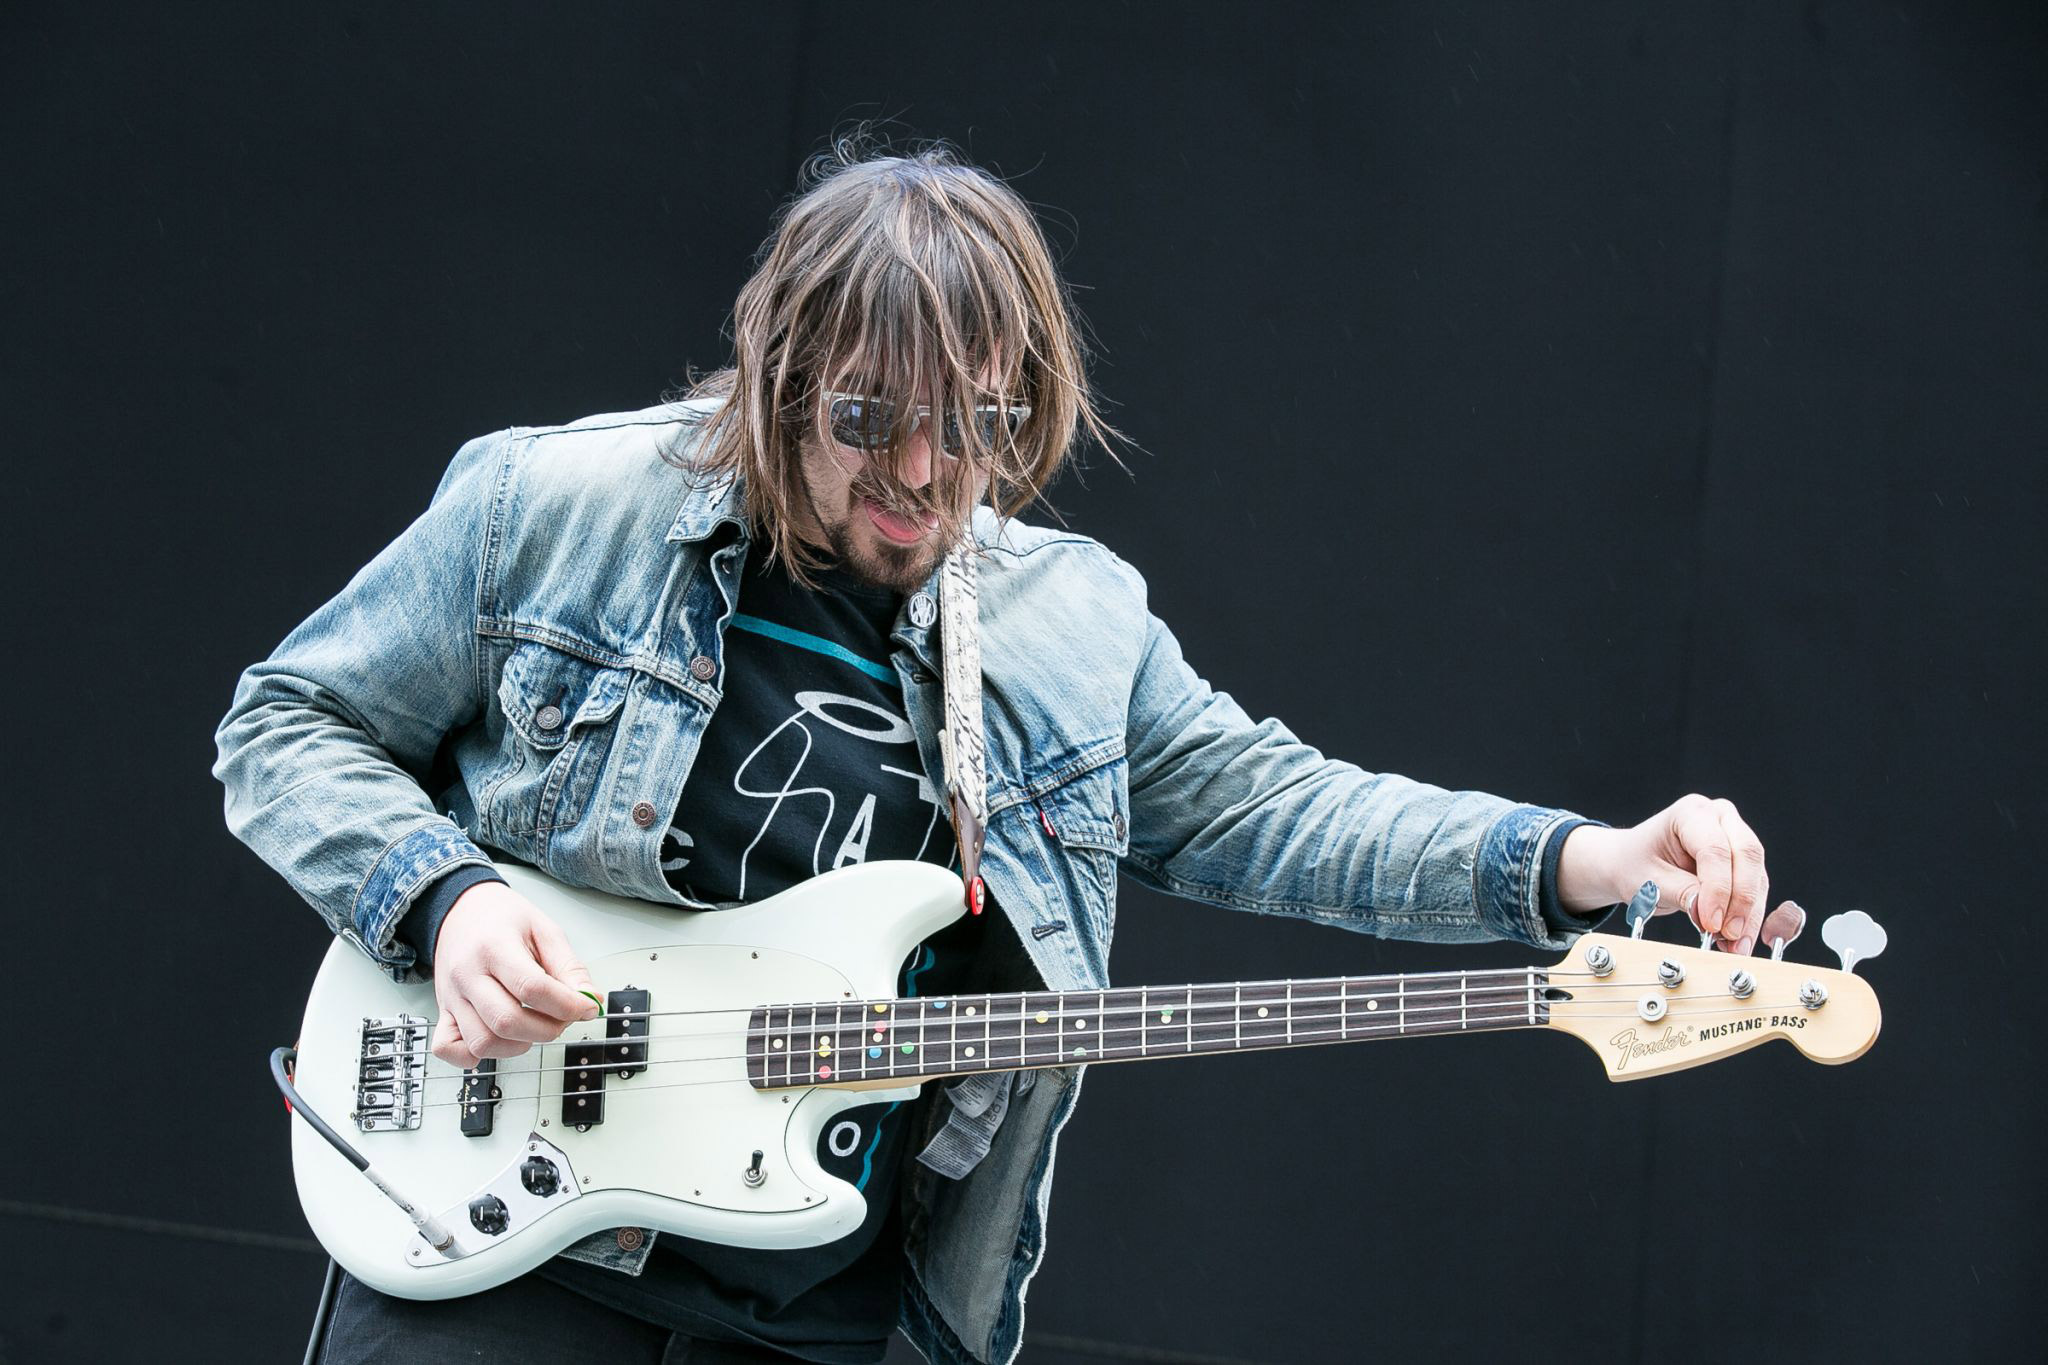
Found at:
[529, 1319]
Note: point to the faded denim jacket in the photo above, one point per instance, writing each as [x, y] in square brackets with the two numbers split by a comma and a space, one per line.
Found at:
[393, 737]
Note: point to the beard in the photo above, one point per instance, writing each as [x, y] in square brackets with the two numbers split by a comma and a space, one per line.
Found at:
[876, 563]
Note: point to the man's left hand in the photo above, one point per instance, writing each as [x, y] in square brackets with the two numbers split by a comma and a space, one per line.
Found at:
[1705, 860]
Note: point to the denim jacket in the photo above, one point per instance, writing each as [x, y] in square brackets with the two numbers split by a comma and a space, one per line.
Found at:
[394, 733]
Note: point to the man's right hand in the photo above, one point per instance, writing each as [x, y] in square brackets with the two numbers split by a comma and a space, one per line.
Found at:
[504, 976]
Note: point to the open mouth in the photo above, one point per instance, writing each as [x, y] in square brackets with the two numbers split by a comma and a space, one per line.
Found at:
[896, 527]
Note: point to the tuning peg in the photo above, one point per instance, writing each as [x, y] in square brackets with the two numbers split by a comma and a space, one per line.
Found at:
[1781, 926]
[1854, 936]
[1640, 907]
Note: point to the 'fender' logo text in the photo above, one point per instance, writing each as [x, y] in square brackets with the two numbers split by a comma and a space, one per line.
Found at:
[1634, 1048]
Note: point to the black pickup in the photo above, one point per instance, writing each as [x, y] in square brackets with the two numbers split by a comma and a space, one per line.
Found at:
[582, 1084]
[479, 1097]
[625, 1018]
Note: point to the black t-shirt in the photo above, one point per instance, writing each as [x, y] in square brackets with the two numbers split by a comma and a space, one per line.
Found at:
[808, 764]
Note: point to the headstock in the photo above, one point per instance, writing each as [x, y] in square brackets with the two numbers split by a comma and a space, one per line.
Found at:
[1649, 1007]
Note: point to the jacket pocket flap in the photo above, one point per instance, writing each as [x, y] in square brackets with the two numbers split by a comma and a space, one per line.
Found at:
[547, 693]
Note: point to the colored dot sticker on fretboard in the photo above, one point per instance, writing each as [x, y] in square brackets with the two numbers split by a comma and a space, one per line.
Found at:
[1043, 1016]
[909, 1048]
[940, 1004]
[824, 1073]
[1166, 1016]
[881, 1009]
[1080, 1052]
[824, 1047]
[874, 1052]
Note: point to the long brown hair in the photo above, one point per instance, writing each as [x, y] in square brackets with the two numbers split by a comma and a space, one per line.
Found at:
[906, 277]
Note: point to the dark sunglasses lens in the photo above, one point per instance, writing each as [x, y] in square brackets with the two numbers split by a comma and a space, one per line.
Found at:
[991, 424]
[861, 422]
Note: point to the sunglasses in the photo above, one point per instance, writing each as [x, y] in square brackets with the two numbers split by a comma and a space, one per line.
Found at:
[864, 422]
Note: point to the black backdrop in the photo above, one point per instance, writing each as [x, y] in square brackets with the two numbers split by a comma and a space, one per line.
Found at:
[1583, 403]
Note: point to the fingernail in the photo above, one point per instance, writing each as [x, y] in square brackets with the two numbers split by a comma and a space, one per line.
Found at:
[1689, 899]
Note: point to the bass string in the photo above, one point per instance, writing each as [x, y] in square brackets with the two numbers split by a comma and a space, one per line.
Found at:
[1346, 1031]
[1507, 990]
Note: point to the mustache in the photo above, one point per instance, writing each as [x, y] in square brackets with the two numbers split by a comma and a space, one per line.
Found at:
[911, 504]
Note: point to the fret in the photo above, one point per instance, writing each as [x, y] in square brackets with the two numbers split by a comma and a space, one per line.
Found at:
[1043, 1022]
[1124, 1020]
[1212, 1018]
[1261, 1014]
[1003, 1036]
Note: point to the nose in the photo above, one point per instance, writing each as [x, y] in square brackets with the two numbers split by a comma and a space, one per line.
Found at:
[917, 461]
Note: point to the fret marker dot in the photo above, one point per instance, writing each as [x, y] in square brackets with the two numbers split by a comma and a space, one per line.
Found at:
[970, 1011]
[1080, 1023]
[970, 1052]
[1262, 1011]
[878, 1035]
[909, 1048]
[1371, 1005]
[1042, 1016]
[778, 1042]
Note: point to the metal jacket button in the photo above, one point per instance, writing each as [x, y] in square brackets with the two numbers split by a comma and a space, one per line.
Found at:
[549, 717]
[643, 813]
[1116, 822]
[703, 669]
[630, 1239]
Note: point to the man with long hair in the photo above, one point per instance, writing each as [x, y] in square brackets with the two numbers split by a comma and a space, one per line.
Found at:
[694, 655]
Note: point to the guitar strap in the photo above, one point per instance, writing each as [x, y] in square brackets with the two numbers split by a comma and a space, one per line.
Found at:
[960, 743]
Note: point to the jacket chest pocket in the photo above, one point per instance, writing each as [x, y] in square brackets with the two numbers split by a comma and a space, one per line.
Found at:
[560, 712]
[1085, 823]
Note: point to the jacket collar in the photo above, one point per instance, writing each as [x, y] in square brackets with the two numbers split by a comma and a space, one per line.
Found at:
[706, 506]
[709, 505]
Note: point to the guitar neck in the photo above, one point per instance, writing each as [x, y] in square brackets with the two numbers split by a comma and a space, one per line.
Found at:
[881, 1042]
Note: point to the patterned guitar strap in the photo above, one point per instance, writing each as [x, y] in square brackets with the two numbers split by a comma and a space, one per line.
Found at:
[960, 743]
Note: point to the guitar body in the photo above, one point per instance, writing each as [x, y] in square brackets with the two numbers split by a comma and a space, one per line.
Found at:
[676, 1138]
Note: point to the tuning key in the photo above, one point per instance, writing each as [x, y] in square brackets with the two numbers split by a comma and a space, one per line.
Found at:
[1854, 936]
[1640, 907]
[1781, 926]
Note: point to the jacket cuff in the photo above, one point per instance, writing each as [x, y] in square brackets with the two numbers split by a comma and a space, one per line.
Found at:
[421, 925]
[1514, 878]
[406, 868]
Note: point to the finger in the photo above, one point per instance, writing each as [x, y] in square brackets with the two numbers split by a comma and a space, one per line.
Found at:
[566, 971]
[1705, 840]
[1749, 884]
[509, 1020]
[1746, 943]
[529, 982]
[477, 1036]
[447, 1042]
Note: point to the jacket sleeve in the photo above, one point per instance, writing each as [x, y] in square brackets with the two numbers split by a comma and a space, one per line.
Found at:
[327, 741]
[1242, 814]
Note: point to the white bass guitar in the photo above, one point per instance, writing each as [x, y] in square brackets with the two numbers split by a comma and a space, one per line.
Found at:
[730, 1039]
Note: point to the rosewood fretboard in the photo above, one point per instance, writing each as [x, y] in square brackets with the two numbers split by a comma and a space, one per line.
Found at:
[849, 1041]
